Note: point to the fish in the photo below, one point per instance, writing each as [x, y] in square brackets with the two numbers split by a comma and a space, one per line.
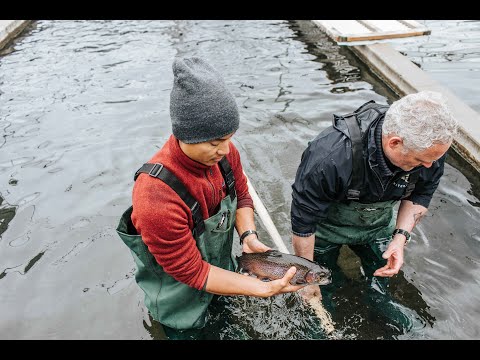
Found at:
[273, 265]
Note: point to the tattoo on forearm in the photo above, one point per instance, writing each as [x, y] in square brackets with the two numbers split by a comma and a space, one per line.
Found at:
[417, 217]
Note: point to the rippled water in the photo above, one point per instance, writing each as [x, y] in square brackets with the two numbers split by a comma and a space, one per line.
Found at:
[84, 103]
[450, 55]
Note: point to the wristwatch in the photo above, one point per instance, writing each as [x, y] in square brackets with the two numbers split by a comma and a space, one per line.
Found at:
[403, 232]
[245, 234]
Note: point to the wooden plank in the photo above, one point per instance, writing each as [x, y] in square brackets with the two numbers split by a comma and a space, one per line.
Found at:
[345, 31]
[344, 26]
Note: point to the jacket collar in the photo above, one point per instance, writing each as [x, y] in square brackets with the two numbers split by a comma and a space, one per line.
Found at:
[376, 156]
[183, 160]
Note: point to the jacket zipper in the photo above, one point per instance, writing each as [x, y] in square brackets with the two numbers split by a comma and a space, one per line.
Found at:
[379, 180]
[211, 185]
[388, 183]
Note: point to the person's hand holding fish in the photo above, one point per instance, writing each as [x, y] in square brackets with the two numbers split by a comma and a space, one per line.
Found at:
[282, 285]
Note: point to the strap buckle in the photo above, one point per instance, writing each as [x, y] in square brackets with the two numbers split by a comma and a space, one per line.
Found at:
[155, 170]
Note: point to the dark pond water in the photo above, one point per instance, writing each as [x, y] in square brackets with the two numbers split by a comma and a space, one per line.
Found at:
[84, 103]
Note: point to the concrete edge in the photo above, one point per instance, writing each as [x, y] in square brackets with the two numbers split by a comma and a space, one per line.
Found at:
[404, 77]
[9, 29]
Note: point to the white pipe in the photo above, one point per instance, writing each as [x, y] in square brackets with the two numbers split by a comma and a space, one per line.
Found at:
[266, 219]
[315, 302]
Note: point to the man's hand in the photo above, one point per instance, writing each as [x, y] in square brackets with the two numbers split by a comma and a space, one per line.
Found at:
[282, 285]
[394, 254]
[251, 244]
[310, 291]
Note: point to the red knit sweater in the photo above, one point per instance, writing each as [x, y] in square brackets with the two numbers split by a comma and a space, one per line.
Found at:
[165, 222]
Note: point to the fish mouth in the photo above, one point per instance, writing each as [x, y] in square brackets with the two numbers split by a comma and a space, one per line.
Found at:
[325, 281]
[321, 277]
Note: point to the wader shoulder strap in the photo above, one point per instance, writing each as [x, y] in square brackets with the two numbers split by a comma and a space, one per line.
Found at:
[412, 180]
[227, 173]
[362, 116]
[357, 158]
[160, 172]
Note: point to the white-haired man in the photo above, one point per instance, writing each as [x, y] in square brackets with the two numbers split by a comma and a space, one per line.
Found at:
[354, 172]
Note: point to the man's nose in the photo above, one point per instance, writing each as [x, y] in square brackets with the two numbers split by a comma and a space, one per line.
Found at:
[224, 148]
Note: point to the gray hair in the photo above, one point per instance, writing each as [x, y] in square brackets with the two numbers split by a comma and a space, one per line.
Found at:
[421, 120]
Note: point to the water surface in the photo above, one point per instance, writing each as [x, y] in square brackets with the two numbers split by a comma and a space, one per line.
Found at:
[450, 55]
[85, 103]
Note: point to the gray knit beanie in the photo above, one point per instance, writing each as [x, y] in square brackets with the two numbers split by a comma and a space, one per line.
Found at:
[201, 106]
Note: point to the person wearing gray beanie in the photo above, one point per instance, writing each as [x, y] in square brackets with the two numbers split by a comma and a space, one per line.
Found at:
[188, 199]
[201, 106]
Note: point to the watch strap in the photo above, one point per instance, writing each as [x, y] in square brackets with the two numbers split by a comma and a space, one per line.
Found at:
[246, 233]
[403, 232]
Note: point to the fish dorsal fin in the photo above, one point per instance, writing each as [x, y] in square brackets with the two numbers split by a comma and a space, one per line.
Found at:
[274, 253]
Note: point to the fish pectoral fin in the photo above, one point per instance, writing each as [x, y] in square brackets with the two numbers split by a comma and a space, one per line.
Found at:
[301, 281]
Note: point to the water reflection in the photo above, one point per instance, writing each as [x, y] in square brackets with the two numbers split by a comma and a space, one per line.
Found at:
[33, 261]
[284, 317]
[7, 213]
[450, 55]
[366, 313]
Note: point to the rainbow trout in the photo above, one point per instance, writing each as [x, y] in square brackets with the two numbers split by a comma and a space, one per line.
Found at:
[273, 264]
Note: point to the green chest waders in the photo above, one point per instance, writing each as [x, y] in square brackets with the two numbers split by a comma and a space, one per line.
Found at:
[357, 223]
[367, 225]
[170, 302]
[367, 230]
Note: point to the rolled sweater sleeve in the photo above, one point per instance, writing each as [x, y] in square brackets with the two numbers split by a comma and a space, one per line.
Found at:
[170, 241]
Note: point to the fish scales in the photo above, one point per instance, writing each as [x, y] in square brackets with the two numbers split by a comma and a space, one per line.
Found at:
[273, 264]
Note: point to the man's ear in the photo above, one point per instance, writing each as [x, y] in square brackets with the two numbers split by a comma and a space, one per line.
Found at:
[395, 142]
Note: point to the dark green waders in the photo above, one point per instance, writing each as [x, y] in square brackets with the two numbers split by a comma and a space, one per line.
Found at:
[181, 309]
[366, 229]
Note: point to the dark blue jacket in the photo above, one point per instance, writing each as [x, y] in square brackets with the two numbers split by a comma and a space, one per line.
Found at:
[325, 172]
